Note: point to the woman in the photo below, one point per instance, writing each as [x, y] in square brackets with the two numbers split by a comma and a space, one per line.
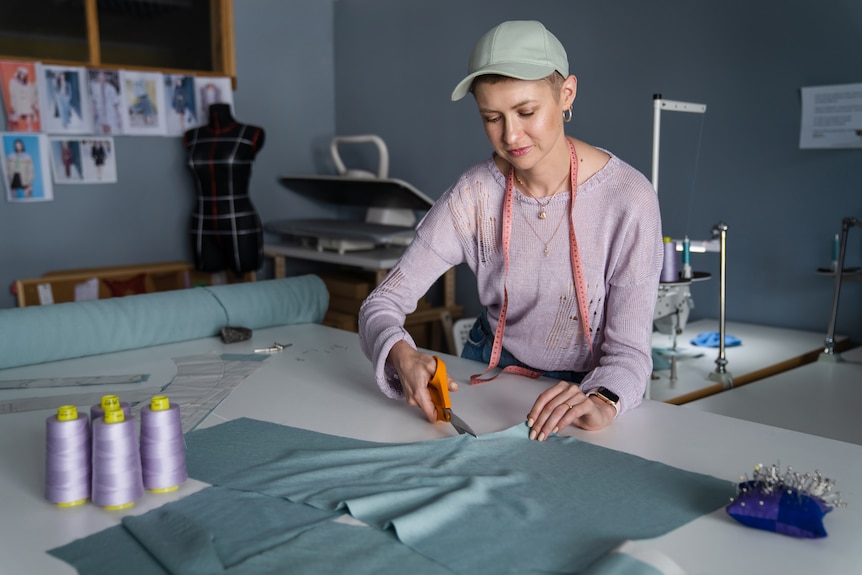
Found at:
[564, 239]
[23, 101]
[19, 166]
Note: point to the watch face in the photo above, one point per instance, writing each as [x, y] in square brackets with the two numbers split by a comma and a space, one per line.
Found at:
[609, 394]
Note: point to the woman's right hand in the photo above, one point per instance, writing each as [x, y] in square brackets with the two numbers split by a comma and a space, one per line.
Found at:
[415, 369]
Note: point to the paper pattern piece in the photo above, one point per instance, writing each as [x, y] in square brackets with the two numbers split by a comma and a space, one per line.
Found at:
[831, 116]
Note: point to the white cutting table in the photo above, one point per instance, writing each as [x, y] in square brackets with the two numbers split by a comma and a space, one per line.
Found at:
[764, 351]
[323, 383]
[822, 398]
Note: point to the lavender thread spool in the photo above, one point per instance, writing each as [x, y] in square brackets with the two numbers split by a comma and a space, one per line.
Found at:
[109, 402]
[669, 270]
[68, 470]
[117, 479]
[163, 450]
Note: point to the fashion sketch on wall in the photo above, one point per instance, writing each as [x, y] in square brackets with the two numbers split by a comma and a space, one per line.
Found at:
[99, 160]
[63, 93]
[105, 101]
[26, 172]
[20, 96]
[66, 161]
[181, 103]
[212, 91]
[143, 99]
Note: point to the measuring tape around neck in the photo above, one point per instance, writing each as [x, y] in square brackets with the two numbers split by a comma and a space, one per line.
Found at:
[577, 274]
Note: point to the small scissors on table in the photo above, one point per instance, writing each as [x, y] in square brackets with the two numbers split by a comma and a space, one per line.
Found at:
[439, 389]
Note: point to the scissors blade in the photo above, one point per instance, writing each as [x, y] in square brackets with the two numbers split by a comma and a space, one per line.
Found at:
[460, 425]
[439, 389]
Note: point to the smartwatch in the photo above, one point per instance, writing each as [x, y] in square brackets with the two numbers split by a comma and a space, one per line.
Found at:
[607, 396]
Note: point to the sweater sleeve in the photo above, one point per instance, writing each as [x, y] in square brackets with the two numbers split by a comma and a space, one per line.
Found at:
[382, 314]
[625, 358]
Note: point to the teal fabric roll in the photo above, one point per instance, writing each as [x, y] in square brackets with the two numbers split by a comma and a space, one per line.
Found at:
[38, 334]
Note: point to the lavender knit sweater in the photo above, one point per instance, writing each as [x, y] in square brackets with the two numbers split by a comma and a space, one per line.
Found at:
[618, 231]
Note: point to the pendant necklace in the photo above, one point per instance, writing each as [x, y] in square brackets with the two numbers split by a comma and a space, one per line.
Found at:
[542, 214]
[548, 242]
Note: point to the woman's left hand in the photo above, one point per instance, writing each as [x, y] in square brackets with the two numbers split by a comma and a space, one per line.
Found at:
[565, 404]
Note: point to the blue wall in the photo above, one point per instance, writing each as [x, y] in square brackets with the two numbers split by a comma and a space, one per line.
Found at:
[285, 84]
[308, 69]
[397, 62]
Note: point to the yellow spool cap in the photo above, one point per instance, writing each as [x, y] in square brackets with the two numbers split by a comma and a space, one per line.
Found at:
[110, 402]
[73, 503]
[160, 403]
[114, 416]
[667, 239]
[119, 507]
[67, 413]
[165, 489]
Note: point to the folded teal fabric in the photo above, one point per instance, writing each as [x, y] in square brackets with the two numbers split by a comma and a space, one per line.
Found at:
[223, 531]
[38, 334]
[496, 504]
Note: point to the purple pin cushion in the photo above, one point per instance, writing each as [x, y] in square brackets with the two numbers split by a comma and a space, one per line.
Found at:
[792, 503]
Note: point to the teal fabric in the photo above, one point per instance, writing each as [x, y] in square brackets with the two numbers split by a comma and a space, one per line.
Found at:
[496, 504]
[224, 531]
[621, 564]
[38, 334]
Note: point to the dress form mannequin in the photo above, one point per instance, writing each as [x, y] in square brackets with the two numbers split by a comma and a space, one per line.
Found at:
[226, 232]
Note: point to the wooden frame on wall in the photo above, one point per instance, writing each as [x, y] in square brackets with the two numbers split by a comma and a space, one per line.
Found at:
[222, 45]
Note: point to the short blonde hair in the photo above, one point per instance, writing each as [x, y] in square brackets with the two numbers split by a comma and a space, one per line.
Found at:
[555, 79]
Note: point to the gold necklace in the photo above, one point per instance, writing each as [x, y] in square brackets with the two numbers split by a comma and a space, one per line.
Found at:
[548, 242]
[542, 214]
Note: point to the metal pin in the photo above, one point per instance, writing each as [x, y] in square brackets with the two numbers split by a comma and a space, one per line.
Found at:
[275, 347]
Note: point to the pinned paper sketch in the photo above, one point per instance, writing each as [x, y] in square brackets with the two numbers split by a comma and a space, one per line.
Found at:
[63, 97]
[181, 103]
[100, 164]
[831, 116]
[21, 96]
[143, 103]
[26, 174]
[106, 102]
[66, 161]
[212, 91]
[83, 161]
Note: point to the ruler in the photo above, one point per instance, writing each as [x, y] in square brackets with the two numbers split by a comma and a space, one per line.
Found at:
[72, 381]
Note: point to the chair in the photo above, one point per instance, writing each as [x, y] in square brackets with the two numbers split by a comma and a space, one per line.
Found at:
[461, 332]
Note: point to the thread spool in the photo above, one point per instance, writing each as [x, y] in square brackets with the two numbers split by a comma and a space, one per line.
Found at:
[117, 479]
[68, 470]
[109, 402]
[686, 259]
[669, 270]
[163, 450]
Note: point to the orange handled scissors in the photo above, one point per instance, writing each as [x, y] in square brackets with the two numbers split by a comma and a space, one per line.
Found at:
[439, 389]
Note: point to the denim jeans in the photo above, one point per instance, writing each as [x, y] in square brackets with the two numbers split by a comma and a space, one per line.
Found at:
[480, 343]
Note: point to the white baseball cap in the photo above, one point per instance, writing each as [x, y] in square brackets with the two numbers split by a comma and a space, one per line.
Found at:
[522, 49]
